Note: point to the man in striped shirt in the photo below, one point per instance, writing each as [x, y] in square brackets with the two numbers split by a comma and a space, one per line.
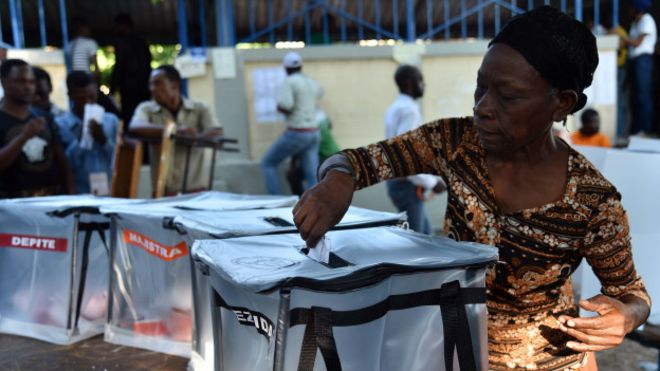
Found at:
[82, 48]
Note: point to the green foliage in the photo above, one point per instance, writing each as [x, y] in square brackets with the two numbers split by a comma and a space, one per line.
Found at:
[160, 54]
[163, 54]
[106, 59]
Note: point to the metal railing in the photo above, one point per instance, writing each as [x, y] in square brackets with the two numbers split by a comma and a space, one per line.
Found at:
[16, 17]
[442, 17]
[353, 20]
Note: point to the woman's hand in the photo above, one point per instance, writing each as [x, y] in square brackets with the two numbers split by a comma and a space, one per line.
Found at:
[607, 330]
[323, 206]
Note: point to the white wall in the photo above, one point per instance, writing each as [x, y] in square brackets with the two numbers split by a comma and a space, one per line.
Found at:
[358, 83]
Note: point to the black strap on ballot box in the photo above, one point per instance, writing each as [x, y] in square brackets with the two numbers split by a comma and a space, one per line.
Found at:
[319, 321]
[450, 297]
[89, 229]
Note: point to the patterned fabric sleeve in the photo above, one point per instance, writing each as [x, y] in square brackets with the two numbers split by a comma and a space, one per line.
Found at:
[608, 251]
[420, 151]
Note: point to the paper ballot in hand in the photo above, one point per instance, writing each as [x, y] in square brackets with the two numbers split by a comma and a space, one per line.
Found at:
[321, 252]
[94, 112]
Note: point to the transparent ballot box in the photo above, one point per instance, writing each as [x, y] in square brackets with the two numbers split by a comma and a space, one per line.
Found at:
[150, 283]
[54, 276]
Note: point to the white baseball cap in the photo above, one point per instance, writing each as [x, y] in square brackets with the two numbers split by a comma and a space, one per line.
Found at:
[292, 60]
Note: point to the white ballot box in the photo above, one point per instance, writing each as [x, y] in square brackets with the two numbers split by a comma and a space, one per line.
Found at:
[388, 299]
[213, 225]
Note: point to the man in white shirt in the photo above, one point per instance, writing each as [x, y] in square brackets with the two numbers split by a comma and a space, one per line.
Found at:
[403, 115]
[297, 100]
[641, 42]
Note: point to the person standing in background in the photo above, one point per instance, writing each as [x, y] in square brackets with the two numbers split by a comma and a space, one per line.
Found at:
[82, 49]
[92, 165]
[641, 42]
[82, 57]
[327, 148]
[130, 75]
[44, 87]
[32, 162]
[623, 97]
[297, 100]
[404, 115]
[328, 145]
[589, 134]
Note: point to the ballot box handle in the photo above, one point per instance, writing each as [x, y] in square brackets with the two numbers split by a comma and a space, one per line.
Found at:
[318, 335]
[451, 298]
[456, 329]
[319, 323]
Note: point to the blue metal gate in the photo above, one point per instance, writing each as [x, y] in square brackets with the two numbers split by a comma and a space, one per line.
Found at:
[324, 21]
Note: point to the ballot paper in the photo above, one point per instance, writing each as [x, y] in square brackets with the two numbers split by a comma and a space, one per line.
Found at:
[321, 252]
[94, 112]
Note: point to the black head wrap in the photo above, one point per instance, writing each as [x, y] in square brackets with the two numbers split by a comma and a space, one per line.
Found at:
[560, 48]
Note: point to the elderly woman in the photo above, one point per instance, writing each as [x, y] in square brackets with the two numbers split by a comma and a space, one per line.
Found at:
[514, 185]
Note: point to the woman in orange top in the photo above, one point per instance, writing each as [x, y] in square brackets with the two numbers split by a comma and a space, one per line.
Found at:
[589, 134]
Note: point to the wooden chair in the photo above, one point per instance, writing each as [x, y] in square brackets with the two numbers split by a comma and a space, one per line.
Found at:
[164, 161]
[215, 144]
[129, 156]
[126, 165]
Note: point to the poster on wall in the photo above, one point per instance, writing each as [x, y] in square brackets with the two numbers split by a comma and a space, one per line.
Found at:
[191, 64]
[265, 83]
[224, 63]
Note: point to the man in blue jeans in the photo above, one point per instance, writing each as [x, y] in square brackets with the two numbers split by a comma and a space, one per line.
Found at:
[641, 41]
[297, 100]
[407, 194]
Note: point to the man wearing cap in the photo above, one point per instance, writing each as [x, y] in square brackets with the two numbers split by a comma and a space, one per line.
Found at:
[297, 100]
[641, 42]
